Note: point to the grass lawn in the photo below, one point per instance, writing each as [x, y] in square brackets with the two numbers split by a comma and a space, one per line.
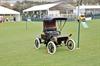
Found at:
[17, 46]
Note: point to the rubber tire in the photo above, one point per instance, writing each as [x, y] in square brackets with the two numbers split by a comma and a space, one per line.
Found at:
[72, 44]
[49, 47]
[37, 43]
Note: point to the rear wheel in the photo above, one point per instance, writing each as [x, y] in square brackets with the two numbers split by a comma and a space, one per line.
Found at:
[37, 43]
[51, 47]
[70, 44]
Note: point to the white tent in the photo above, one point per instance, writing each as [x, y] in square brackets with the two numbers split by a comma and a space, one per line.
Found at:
[4, 11]
[43, 10]
[40, 7]
[87, 8]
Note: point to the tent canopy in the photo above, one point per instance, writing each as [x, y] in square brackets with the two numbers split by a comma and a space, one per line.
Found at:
[41, 7]
[4, 10]
[89, 7]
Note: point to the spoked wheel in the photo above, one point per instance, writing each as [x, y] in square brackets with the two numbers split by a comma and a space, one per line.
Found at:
[37, 43]
[51, 47]
[70, 44]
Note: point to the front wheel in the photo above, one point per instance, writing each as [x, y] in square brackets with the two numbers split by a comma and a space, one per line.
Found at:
[51, 47]
[37, 43]
[70, 44]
